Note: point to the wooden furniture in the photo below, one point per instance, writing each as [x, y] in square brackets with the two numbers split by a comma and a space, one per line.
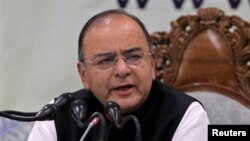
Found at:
[209, 51]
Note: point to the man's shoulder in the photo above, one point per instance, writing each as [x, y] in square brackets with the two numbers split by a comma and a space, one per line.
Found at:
[170, 91]
[81, 93]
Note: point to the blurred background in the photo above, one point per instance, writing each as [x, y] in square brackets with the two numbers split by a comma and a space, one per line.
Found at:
[38, 41]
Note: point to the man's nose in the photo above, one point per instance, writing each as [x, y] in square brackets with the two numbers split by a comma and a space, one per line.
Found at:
[121, 68]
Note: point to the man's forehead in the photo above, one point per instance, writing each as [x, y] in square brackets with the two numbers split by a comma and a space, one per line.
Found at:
[112, 18]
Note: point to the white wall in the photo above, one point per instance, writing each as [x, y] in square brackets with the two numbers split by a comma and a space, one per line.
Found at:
[38, 43]
[1, 44]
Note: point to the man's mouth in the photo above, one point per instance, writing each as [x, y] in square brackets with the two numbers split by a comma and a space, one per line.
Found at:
[123, 90]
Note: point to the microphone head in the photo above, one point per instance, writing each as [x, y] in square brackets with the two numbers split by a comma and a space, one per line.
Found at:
[48, 112]
[113, 112]
[64, 100]
[78, 110]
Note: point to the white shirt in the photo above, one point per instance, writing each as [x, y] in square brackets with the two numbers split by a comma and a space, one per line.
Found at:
[193, 127]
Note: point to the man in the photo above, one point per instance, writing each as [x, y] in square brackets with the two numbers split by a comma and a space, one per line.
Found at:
[116, 64]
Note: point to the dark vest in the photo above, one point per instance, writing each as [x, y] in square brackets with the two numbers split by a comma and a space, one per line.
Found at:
[159, 117]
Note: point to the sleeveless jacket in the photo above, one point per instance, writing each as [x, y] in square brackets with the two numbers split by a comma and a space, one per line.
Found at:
[159, 117]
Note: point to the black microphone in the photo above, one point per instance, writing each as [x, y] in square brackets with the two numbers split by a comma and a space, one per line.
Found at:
[78, 110]
[64, 101]
[48, 112]
[112, 112]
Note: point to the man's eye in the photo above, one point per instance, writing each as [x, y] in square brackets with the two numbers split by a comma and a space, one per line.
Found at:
[105, 61]
[133, 57]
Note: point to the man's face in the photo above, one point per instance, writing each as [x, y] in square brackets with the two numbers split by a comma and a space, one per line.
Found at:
[126, 83]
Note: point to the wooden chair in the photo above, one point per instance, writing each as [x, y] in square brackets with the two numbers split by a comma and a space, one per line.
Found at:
[208, 56]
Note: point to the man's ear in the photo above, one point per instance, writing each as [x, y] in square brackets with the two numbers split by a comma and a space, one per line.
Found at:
[153, 65]
[82, 73]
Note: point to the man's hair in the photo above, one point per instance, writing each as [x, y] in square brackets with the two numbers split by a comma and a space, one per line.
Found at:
[102, 15]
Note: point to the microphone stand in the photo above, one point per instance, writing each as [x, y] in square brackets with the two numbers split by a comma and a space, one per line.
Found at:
[112, 111]
[137, 126]
[91, 124]
[78, 111]
[102, 129]
[15, 115]
[46, 113]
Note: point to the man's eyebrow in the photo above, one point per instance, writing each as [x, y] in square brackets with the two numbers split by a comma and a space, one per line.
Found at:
[132, 50]
[103, 54]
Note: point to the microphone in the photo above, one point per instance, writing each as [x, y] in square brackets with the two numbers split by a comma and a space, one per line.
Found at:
[48, 112]
[78, 110]
[90, 125]
[112, 112]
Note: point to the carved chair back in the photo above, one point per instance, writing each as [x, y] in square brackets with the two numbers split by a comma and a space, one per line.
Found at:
[209, 51]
